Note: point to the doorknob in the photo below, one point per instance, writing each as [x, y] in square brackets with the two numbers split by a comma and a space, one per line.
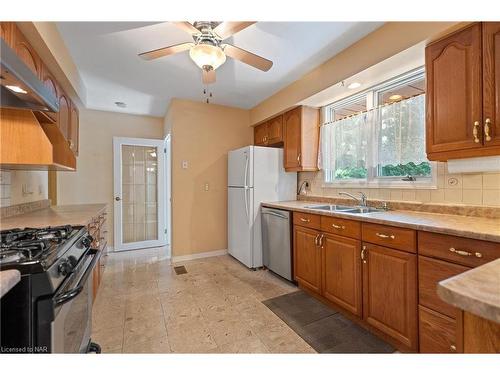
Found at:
[118, 199]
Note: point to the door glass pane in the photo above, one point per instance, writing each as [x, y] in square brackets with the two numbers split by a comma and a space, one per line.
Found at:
[139, 193]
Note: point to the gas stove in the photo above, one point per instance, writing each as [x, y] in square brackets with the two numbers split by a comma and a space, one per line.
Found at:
[49, 310]
[32, 250]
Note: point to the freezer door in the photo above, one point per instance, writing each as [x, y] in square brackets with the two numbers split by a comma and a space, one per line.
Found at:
[240, 167]
[239, 224]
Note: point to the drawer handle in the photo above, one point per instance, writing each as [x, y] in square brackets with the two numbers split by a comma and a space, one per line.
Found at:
[304, 220]
[465, 253]
[382, 235]
[342, 227]
[316, 240]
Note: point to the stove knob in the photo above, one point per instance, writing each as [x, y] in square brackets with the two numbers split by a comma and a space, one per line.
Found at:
[72, 261]
[87, 240]
[64, 268]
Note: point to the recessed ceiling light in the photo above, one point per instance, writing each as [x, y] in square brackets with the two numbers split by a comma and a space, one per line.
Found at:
[16, 89]
[121, 104]
[354, 85]
[395, 97]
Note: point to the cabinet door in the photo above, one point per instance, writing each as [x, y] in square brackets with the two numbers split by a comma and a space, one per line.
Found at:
[307, 258]
[275, 130]
[390, 293]
[6, 32]
[292, 138]
[438, 333]
[74, 129]
[260, 135]
[50, 83]
[491, 83]
[63, 120]
[454, 94]
[26, 53]
[342, 272]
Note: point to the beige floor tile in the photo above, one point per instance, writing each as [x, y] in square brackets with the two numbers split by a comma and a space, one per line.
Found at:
[146, 332]
[110, 339]
[156, 346]
[191, 340]
[250, 344]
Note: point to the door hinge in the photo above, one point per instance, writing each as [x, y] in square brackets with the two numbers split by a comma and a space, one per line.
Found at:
[165, 230]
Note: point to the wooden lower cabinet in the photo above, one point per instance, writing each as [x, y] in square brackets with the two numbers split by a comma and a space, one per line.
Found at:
[480, 335]
[342, 272]
[307, 257]
[390, 293]
[438, 333]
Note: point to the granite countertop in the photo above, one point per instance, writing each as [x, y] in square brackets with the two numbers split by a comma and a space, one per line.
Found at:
[476, 291]
[464, 226]
[78, 214]
[8, 279]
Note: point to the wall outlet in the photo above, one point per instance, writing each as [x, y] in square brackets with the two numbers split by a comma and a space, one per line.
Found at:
[206, 186]
[185, 164]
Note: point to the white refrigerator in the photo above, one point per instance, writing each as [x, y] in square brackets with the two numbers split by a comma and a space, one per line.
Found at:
[255, 175]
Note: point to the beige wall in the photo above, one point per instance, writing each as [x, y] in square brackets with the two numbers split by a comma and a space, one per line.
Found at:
[202, 134]
[93, 180]
[481, 189]
[386, 41]
[12, 182]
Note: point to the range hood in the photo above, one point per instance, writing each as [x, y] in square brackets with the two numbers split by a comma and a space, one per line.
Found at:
[20, 88]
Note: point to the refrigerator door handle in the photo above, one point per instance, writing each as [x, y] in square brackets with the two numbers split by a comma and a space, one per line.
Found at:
[246, 204]
[246, 171]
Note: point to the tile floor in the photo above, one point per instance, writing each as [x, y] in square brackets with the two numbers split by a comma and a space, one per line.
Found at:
[142, 306]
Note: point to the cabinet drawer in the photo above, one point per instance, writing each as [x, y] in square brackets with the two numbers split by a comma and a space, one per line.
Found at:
[397, 238]
[307, 220]
[430, 273]
[464, 251]
[342, 227]
[438, 333]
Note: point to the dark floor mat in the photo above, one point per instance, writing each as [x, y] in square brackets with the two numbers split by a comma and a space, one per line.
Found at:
[324, 328]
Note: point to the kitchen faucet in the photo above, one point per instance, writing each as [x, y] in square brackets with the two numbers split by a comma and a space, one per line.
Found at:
[362, 200]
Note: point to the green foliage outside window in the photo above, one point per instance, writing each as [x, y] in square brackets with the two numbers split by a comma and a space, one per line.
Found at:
[412, 169]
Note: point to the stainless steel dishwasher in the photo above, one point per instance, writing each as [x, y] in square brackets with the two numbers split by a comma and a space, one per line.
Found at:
[276, 243]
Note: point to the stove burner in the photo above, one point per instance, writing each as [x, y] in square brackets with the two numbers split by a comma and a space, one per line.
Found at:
[30, 243]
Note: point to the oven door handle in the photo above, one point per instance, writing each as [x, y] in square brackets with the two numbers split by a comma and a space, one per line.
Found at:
[72, 293]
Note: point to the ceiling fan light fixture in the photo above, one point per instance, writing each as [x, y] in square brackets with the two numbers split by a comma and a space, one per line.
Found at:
[207, 55]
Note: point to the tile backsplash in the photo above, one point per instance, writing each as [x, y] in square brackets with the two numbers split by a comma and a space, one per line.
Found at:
[482, 189]
[17, 187]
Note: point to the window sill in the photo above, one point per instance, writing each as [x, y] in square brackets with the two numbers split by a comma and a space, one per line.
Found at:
[419, 185]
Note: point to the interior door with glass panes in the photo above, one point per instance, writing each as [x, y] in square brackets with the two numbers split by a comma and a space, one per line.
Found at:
[139, 193]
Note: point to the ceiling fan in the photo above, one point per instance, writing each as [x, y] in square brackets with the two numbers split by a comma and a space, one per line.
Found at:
[207, 50]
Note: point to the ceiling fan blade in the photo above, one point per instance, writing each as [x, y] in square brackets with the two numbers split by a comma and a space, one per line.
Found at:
[187, 27]
[165, 51]
[247, 57]
[208, 76]
[226, 29]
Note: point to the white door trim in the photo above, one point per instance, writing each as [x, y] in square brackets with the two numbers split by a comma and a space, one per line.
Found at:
[117, 182]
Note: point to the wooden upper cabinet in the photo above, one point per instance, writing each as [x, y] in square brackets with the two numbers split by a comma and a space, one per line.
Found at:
[463, 93]
[26, 53]
[7, 32]
[390, 293]
[275, 130]
[301, 139]
[260, 135]
[51, 84]
[342, 272]
[307, 257]
[491, 83]
[74, 129]
[64, 119]
[454, 81]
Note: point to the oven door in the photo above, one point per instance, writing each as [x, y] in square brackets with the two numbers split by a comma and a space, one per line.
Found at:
[73, 308]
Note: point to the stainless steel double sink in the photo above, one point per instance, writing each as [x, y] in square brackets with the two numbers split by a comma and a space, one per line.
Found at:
[345, 209]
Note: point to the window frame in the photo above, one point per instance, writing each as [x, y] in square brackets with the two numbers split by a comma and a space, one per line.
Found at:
[373, 180]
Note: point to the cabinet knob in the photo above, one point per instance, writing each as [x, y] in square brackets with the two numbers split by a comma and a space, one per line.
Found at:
[487, 135]
[453, 348]
[475, 131]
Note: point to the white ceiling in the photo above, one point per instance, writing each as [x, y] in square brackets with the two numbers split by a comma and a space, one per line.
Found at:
[106, 56]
